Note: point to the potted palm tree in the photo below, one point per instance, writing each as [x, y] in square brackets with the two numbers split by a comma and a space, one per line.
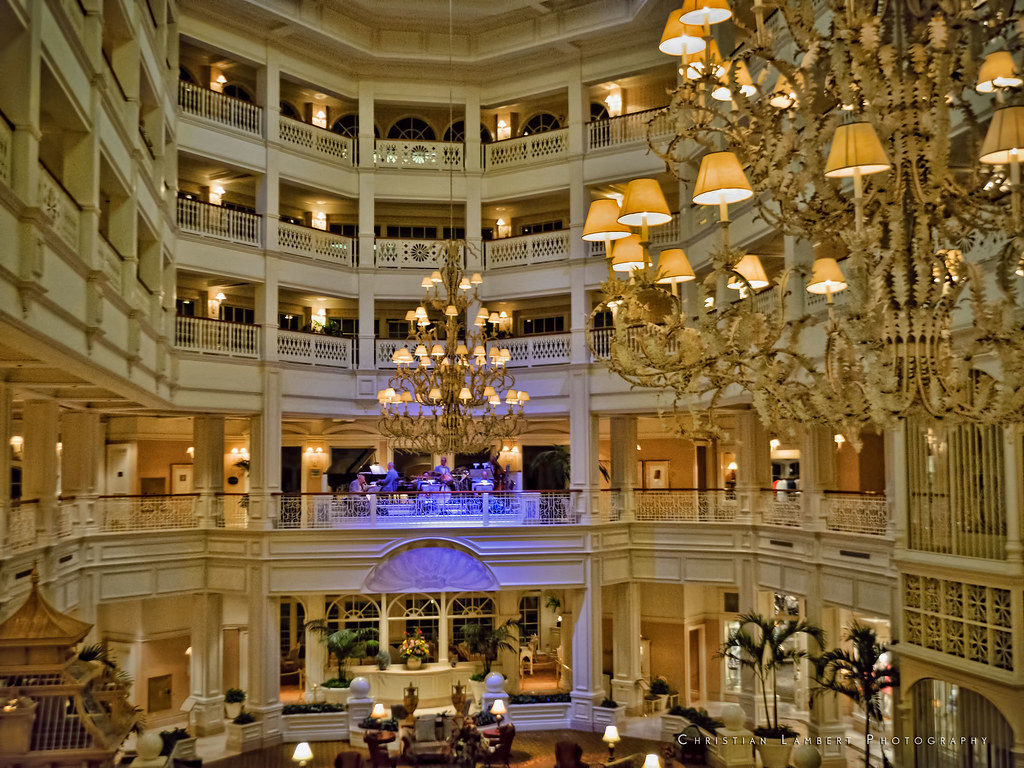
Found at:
[861, 674]
[764, 646]
[488, 641]
[343, 645]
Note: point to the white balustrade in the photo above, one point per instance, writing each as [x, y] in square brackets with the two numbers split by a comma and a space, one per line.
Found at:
[403, 253]
[663, 234]
[529, 351]
[217, 337]
[767, 301]
[633, 128]
[111, 262]
[199, 218]
[315, 243]
[601, 340]
[67, 515]
[140, 513]
[527, 249]
[6, 148]
[385, 349]
[525, 150]
[403, 153]
[61, 212]
[21, 525]
[427, 508]
[314, 140]
[857, 513]
[314, 349]
[219, 108]
[714, 505]
[781, 508]
[231, 510]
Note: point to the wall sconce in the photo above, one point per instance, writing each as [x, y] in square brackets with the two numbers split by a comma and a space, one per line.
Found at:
[502, 228]
[188, 651]
[213, 305]
[216, 194]
[60, 447]
[839, 440]
[774, 443]
[240, 453]
[733, 466]
[17, 444]
[614, 103]
[218, 83]
[317, 457]
[191, 451]
[320, 117]
[319, 220]
[504, 130]
[319, 319]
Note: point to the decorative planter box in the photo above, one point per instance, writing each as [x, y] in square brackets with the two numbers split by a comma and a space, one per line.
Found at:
[315, 726]
[605, 716]
[671, 725]
[333, 695]
[244, 738]
[539, 717]
[185, 749]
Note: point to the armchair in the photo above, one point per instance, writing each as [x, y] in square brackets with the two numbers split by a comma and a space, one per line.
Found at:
[568, 754]
[500, 751]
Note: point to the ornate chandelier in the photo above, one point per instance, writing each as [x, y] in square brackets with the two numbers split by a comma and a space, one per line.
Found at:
[856, 127]
[451, 392]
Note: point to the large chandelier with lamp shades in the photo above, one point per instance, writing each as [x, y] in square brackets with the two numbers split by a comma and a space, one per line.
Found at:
[859, 129]
[451, 391]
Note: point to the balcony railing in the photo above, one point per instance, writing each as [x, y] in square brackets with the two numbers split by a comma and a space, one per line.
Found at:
[601, 338]
[627, 129]
[857, 512]
[199, 218]
[400, 153]
[112, 262]
[531, 351]
[665, 234]
[21, 525]
[315, 244]
[139, 513]
[385, 348]
[686, 505]
[526, 250]
[61, 211]
[427, 508]
[6, 148]
[219, 108]
[315, 141]
[314, 349]
[778, 507]
[525, 150]
[216, 337]
[406, 253]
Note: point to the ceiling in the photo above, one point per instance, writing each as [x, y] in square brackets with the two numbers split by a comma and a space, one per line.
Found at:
[466, 15]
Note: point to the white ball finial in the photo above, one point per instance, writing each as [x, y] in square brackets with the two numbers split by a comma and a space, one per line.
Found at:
[806, 756]
[359, 688]
[733, 717]
[148, 745]
[495, 683]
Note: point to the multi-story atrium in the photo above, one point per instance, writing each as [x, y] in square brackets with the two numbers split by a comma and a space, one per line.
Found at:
[330, 380]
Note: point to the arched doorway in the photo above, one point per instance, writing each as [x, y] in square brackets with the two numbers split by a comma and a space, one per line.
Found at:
[945, 713]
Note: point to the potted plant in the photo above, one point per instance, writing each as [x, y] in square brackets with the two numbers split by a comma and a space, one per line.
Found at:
[608, 712]
[233, 699]
[861, 674]
[343, 645]
[414, 649]
[764, 645]
[244, 733]
[383, 659]
[660, 691]
[487, 641]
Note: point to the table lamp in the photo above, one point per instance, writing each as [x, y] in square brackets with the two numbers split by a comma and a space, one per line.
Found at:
[498, 709]
[379, 713]
[611, 738]
[302, 753]
[652, 761]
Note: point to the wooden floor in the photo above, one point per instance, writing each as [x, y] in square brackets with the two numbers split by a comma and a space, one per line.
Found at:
[532, 749]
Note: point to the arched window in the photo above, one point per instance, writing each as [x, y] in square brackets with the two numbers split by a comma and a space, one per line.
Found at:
[407, 613]
[457, 132]
[287, 110]
[977, 732]
[293, 618]
[598, 111]
[352, 612]
[539, 123]
[186, 77]
[411, 129]
[348, 125]
[238, 92]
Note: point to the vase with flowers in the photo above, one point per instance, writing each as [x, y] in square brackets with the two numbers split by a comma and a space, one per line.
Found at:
[414, 649]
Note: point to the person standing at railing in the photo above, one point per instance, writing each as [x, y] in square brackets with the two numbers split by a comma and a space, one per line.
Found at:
[390, 482]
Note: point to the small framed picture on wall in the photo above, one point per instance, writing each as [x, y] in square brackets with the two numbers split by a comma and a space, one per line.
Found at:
[655, 474]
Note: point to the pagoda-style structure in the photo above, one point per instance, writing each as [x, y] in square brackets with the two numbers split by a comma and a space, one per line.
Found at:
[56, 709]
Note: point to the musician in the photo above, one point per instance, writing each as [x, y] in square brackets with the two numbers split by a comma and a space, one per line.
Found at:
[390, 483]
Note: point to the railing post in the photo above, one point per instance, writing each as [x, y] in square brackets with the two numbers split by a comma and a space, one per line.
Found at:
[485, 507]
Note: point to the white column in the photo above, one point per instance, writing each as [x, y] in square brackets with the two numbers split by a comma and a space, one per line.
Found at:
[507, 604]
[316, 650]
[587, 675]
[265, 304]
[207, 465]
[40, 463]
[472, 118]
[579, 110]
[1012, 475]
[826, 719]
[365, 140]
[264, 657]
[817, 473]
[367, 319]
[622, 438]
[626, 646]
[207, 715]
[81, 462]
[265, 453]
[583, 445]
[798, 255]
[6, 429]
[753, 462]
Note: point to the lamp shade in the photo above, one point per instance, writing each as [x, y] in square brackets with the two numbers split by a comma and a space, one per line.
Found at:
[743, 79]
[652, 761]
[674, 267]
[705, 11]
[644, 203]
[435, 276]
[1005, 138]
[721, 180]
[420, 351]
[783, 95]
[998, 71]
[603, 221]
[302, 752]
[378, 711]
[628, 254]
[498, 707]
[826, 276]
[410, 316]
[426, 282]
[751, 270]
[611, 735]
[465, 394]
[693, 65]
[451, 311]
[679, 39]
[856, 147]
[437, 350]
[434, 393]
[476, 279]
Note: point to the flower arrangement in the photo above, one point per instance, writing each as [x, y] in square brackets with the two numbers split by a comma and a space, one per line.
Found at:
[414, 645]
